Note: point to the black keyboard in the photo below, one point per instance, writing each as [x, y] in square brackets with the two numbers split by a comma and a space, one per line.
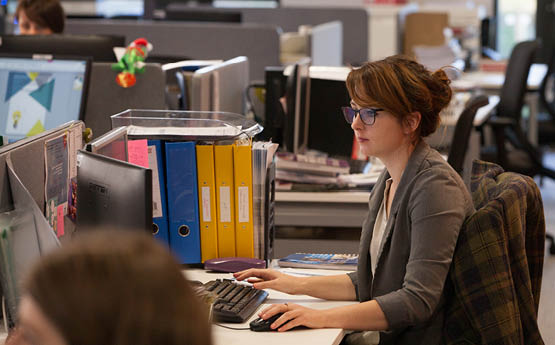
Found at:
[235, 302]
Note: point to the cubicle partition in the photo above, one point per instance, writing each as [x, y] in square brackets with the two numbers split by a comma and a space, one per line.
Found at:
[258, 42]
[28, 159]
[354, 21]
[107, 98]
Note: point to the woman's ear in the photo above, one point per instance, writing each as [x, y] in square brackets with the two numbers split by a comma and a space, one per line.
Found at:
[412, 121]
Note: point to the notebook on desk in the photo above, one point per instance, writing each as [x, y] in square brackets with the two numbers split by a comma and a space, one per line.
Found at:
[343, 262]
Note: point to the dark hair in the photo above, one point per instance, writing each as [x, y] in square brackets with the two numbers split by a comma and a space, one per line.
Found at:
[46, 13]
[119, 288]
[401, 86]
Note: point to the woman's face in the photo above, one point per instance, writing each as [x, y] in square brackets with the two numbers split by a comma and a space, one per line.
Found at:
[35, 327]
[380, 139]
[28, 27]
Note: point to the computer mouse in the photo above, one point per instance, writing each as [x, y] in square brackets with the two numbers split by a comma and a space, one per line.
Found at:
[261, 325]
[233, 264]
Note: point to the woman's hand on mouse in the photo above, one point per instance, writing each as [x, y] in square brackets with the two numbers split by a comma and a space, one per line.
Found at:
[270, 279]
[294, 315]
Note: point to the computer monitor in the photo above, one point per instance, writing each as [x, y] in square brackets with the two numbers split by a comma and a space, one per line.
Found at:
[98, 47]
[163, 4]
[274, 84]
[112, 194]
[201, 90]
[221, 87]
[38, 94]
[229, 81]
[112, 144]
[201, 14]
[297, 96]
[328, 131]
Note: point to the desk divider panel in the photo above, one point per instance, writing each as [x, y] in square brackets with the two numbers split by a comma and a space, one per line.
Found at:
[354, 20]
[258, 42]
[106, 98]
[27, 157]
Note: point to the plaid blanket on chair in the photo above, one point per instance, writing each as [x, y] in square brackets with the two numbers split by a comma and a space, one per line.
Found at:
[493, 288]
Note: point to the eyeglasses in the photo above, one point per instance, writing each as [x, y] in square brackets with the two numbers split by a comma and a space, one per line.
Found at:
[367, 115]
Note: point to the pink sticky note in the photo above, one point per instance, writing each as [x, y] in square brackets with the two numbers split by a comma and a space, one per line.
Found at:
[60, 221]
[137, 151]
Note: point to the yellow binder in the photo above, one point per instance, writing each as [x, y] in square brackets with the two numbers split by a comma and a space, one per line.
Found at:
[242, 169]
[207, 202]
[223, 158]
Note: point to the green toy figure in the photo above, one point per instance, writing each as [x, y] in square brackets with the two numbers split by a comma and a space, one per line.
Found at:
[131, 62]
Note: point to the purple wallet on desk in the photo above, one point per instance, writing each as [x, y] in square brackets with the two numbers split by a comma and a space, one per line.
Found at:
[233, 264]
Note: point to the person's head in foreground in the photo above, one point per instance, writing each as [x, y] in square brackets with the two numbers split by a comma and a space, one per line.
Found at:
[405, 97]
[111, 288]
[40, 17]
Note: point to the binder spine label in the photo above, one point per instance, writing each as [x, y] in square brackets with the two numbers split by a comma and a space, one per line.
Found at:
[225, 207]
[243, 204]
[156, 195]
[205, 195]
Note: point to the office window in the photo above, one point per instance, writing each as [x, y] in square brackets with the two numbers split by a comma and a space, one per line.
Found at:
[516, 21]
[105, 8]
[111, 8]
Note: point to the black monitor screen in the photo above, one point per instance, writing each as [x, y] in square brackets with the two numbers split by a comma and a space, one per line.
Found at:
[98, 47]
[297, 94]
[37, 95]
[202, 14]
[112, 194]
[328, 131]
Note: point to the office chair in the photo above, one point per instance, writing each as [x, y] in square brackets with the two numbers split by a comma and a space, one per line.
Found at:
[106, 98]
[459, 145]
[512, 150]
[546, 120]
[494, 283]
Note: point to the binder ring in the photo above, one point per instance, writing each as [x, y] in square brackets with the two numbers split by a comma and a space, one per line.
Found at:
[183, 231]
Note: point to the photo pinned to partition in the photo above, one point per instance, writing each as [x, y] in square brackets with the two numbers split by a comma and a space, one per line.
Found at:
[56, 187]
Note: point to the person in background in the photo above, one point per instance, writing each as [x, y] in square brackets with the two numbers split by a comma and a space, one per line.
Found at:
[40, 17]
[107, 288]
[416, 211]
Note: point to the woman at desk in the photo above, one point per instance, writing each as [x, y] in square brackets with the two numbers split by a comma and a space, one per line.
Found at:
[416, 210]
[40, 17]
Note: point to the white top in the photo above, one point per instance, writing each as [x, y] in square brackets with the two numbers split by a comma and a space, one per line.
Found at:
[379, 227]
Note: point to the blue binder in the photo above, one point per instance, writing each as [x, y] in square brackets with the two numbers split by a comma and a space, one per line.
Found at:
[159, 205]
[181, 189]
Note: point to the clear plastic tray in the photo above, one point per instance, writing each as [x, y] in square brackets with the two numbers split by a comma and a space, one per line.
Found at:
[185, 125]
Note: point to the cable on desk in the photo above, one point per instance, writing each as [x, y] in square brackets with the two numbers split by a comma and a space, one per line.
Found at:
[233, 328]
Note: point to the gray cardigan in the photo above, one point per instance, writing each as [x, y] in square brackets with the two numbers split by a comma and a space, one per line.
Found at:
[428, 210]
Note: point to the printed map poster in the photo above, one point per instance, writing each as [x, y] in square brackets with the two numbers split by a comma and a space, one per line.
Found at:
[30, 98]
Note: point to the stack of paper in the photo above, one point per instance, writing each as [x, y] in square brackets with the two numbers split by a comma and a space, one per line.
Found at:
[262, 156]
[316, 169]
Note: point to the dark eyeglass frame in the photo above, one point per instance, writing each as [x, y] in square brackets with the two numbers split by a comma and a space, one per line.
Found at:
[367, 115]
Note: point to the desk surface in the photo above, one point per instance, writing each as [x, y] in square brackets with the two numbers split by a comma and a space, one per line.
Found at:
[481, 116]
[494, 80]
[321, 209]
[323, 197]
[223, 336]
[467, 81]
